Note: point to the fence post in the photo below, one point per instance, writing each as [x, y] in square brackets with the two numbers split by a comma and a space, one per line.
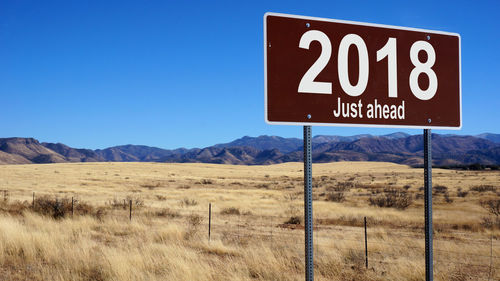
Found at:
[33, 204]
[209, 219]
[130, 205]
[491, 256]
[72, 207]
[366, 247]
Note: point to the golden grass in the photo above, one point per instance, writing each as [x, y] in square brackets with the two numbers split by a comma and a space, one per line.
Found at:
[167, 237]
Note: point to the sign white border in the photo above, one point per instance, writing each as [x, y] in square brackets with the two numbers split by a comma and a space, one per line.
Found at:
[364, 24]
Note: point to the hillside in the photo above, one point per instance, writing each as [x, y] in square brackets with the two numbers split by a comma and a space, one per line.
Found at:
[397, 148]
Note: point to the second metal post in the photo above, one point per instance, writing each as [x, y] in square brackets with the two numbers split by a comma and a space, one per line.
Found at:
[429, 276]
[308, 208]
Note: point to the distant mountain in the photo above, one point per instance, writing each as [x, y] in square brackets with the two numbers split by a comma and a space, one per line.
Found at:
[397, 135]
[74, 154]
[491, 137]
[284, 145]
[137, 153]
[407, 150]
[225, 155]
[8, 158]
[398, 148]
[27, 150]
[323, 139]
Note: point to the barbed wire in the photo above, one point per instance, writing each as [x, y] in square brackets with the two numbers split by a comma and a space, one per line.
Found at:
[248, 225]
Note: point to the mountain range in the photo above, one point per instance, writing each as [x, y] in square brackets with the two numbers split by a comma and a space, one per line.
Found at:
[447, 150]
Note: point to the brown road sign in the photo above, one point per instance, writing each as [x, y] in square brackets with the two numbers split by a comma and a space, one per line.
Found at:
[331, 72]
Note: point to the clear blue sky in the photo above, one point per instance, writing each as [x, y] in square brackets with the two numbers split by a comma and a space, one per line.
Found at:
[174, 74]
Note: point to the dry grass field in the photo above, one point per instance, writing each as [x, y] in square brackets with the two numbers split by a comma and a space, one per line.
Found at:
[256, 227]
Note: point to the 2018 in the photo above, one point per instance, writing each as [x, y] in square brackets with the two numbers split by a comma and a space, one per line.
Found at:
[308, 85]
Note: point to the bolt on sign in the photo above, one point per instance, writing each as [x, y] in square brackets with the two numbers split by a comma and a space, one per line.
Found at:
[331, 72]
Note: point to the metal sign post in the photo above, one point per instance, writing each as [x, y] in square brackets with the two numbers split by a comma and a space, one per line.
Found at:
[308, 208]
[428, 204]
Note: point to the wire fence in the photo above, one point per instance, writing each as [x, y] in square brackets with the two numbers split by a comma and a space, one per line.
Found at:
[381, 245]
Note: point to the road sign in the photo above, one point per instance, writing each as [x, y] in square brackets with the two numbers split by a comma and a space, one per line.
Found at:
[331, 72]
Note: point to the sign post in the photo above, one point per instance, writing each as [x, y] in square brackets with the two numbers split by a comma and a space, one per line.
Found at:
[341, 73]
[308, 208]
[428, 205]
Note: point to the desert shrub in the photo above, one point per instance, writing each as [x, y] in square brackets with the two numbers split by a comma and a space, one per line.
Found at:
[462, 193]
[59, 208]
[491, 223]
[392, 198]
[207, 181]
[263, 185]
[167, 213]
[483, 188]
[83, 208]
[15, 207]
[335, 197]
[440, 189]
[188, 202]
[342, 186]
[230, 211]
[194, 221]
[161, 197]
[136, 201]
[48, 206]
[294, 220]
[100, 213]
[151, 185]
[492, 206]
